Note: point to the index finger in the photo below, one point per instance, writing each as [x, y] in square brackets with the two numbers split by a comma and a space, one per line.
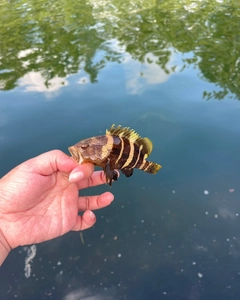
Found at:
[97, 178]
[84, 176]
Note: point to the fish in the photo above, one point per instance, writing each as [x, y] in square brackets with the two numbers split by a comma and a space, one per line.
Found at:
[121, 148]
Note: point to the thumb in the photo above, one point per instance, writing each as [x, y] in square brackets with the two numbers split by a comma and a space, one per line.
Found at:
[81, 172]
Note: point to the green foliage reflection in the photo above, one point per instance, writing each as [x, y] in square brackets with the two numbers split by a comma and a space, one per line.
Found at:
[57, 38]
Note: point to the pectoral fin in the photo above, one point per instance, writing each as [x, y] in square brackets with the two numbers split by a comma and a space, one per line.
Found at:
[127, 172]
[110, 174]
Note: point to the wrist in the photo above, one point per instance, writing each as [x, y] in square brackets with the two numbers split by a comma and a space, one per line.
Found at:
[4, 248]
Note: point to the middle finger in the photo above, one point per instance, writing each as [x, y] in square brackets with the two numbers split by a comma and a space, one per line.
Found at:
[97, 178]
[94, 202]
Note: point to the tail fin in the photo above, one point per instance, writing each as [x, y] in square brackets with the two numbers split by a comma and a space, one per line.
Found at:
[151, 167]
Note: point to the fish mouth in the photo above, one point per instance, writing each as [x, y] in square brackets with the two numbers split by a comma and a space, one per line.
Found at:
[76, 154]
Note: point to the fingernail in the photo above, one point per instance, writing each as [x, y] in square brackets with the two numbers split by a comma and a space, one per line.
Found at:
[74, 177]
[91, 214]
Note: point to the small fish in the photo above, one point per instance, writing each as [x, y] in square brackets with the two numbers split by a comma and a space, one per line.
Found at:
[121, 148]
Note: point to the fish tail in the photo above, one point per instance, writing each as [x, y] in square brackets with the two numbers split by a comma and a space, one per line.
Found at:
[150, 167]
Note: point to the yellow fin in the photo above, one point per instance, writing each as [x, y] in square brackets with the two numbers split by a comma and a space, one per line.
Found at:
[147, 146]
[152, 167]
[124, 132]
[132, 136]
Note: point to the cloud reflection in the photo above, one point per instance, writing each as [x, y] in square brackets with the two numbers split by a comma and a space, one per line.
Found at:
[26, 52]
[141, 75]
[35, 82]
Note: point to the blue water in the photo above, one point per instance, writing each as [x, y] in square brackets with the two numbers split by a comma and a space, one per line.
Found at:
[174, 235]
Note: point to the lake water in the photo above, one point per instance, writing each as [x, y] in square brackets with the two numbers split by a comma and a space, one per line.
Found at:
[170, 70]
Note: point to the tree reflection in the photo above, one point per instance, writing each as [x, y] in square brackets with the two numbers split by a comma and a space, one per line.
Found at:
[56, 39]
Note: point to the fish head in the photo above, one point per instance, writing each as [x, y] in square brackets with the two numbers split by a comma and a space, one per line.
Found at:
[94, 150]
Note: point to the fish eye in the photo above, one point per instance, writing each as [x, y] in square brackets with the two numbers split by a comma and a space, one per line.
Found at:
[84, 146]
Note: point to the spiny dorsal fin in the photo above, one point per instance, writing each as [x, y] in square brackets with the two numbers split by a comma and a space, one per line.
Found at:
[125, 132]
[132, 136]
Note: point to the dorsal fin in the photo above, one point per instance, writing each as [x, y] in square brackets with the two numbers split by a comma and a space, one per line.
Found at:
[132, 136]
[125, 132]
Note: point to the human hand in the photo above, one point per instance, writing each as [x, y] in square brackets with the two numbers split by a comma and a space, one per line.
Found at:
[39, 200]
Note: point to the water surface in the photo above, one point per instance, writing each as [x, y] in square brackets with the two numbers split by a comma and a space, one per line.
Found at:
[170, 70]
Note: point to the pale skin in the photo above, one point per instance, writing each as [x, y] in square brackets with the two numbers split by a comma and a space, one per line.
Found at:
[39, 200]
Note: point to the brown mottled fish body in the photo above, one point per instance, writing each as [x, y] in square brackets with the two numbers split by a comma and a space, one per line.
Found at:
[121, 148]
